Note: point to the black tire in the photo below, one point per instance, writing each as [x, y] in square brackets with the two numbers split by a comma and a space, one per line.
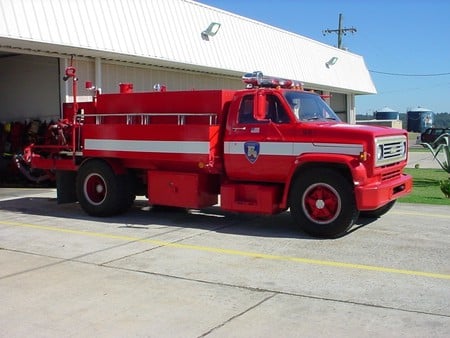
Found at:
[322, 203]
[99, 191]
[377, 212]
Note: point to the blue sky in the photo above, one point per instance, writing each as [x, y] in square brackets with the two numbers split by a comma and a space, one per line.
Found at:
[394, 36]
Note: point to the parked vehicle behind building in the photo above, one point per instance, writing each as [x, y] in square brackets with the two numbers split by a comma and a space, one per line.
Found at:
[431, 134]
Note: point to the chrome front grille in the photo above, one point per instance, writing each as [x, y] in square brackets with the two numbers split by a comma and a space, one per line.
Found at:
[390, 150]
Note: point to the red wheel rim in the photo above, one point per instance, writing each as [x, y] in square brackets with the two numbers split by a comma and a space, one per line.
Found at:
[321, 203]
[95, 189]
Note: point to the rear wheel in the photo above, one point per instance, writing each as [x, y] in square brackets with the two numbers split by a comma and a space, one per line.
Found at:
[100, 192]
[322, 203]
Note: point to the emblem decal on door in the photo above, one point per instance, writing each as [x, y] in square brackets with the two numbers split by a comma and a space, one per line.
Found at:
[251, 150]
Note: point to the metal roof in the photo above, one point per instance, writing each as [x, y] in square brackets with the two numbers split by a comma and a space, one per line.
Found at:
[168, 33]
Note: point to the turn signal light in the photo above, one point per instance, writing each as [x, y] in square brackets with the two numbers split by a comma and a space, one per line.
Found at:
[363, 156]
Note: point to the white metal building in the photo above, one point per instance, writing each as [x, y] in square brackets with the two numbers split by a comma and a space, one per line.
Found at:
[159, 41]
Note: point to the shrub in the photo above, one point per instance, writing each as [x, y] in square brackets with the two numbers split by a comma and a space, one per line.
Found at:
[441, 143]
[445, 187]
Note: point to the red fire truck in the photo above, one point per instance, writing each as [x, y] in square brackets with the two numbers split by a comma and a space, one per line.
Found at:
[264, 149]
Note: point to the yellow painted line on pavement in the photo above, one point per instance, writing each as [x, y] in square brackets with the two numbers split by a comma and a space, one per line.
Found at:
[234, 252]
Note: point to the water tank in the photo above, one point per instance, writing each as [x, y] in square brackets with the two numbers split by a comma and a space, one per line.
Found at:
[419, 119]
[386, 114]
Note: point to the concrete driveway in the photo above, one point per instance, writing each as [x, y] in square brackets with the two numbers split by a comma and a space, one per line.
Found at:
[424, 159]
[214, 274]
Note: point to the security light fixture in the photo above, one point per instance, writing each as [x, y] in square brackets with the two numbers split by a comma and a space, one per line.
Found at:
[212, 30]
[331, 62]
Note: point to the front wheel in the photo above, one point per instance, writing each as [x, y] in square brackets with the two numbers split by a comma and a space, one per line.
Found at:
[378, 212]
[322, 203]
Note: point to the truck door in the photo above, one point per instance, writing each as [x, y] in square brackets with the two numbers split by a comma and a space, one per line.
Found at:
[255, 146]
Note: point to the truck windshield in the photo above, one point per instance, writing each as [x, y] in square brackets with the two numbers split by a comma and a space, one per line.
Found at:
[309, 107]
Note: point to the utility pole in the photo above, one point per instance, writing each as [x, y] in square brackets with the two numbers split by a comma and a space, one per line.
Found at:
[340, 31]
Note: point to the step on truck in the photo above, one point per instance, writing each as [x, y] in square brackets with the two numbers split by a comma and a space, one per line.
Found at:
[265, 149]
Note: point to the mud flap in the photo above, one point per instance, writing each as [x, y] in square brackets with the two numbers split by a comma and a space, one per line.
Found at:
[66, 186]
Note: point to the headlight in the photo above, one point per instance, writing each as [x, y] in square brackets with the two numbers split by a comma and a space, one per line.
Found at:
[380, 152]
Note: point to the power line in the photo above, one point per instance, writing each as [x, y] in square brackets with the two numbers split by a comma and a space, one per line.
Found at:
[403, 74]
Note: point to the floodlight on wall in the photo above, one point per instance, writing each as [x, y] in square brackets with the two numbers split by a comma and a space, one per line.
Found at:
[212, 30]
[331, 62]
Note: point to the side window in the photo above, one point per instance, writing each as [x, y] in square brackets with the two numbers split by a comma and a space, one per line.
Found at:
[275, 110]
[246, 110]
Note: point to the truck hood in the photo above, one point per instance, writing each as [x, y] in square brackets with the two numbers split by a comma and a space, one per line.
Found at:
[366, 129]
[390, 142]
[348, 133]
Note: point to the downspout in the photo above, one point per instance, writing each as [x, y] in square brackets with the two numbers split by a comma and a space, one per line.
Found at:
[351, 112]
[98, 74]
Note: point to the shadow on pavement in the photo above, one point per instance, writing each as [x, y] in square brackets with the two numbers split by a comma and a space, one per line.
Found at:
[142, 216]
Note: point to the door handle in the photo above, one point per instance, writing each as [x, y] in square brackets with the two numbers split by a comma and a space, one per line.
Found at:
[239, 128]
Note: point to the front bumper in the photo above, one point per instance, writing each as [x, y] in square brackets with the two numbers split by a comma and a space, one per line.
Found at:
[373, 196]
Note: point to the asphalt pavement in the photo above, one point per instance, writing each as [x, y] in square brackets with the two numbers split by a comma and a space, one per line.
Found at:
[210, 273]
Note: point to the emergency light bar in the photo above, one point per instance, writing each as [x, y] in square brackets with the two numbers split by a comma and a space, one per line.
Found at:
[257, 79]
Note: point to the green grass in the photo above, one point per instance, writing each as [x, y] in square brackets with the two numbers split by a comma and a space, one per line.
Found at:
[426, 187]
[418, 149]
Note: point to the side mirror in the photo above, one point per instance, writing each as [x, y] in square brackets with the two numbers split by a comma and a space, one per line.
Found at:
[261, 108]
